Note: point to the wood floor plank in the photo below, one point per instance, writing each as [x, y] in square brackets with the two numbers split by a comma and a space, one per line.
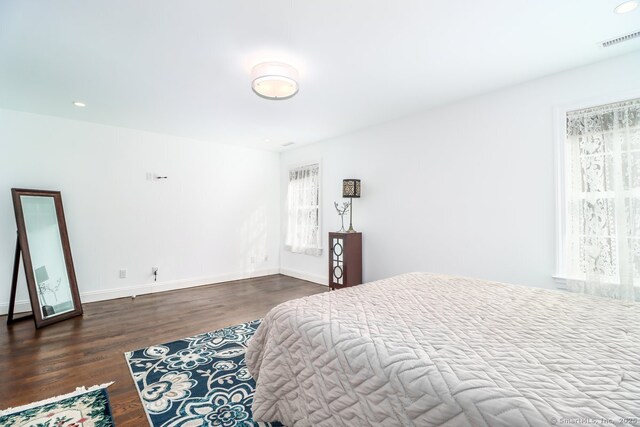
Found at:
[88, 350]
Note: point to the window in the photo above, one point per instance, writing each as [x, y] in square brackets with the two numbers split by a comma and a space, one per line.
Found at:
[303, 211]
[601, 241]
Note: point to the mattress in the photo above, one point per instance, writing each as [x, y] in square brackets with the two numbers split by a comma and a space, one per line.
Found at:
[431, 350]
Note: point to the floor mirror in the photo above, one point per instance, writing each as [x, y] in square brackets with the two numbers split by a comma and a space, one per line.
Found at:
[44, 245]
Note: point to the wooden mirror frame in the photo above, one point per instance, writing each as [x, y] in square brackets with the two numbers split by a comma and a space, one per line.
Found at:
[23, 244]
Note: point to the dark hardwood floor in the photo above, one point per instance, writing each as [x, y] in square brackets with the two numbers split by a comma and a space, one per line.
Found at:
[89, 350]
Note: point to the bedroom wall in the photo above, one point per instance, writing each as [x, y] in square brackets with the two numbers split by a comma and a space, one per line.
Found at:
[467, 188]
[215, 218]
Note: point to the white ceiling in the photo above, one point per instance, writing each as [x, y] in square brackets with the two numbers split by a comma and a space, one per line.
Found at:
[182, 67]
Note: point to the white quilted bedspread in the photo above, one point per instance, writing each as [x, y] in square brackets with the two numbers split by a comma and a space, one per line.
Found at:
[430, 350]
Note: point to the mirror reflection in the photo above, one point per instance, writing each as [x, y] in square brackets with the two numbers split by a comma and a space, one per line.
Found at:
[47, 256]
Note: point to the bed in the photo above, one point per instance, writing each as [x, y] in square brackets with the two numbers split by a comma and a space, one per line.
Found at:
[431, 350]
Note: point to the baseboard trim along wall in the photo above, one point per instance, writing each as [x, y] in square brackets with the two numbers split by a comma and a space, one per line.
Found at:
[150, 288]
[305, 276]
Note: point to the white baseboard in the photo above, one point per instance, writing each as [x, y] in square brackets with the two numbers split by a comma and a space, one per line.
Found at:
[561, 282]
[21, 307]
[305, 276]
[149, 288]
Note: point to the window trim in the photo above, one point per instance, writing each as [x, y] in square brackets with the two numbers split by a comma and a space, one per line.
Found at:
[284, 225]
[560, 135]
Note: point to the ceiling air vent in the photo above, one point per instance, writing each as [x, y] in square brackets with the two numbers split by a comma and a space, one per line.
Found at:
[286, 144]
[620, 39]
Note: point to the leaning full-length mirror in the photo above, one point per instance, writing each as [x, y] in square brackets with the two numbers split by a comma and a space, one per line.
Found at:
[46, 253]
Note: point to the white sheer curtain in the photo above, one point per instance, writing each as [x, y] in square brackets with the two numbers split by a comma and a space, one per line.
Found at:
[602, 248]
[303, 211]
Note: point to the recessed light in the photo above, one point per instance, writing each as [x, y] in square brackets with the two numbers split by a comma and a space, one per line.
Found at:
[626, 7]
[267, 140]
[79, 104]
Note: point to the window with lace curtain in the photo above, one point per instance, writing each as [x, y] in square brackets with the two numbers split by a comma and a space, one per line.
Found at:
[602, 200]
[303, 211]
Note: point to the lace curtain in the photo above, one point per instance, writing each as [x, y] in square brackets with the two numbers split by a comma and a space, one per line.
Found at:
[303, 211]
[602, 248]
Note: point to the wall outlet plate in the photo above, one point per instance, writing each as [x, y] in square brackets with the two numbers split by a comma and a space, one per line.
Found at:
[123, 273]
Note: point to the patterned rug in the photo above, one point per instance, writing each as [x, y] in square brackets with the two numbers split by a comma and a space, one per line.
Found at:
[197, 381]
[82, 408]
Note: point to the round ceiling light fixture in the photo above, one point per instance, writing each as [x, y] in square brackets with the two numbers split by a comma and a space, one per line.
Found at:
[274, 80]
[626, 7]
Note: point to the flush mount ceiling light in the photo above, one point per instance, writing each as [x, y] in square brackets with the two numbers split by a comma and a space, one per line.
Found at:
[626, 7]
[79, 104]
[274, 80]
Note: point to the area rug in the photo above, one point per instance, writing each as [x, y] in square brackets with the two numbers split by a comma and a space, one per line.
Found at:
[197, 381]
[82, 408]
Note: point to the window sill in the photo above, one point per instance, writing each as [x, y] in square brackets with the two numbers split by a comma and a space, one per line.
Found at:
[316, 252]
[561, 282]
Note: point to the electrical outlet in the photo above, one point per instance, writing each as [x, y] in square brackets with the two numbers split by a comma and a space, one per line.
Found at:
[150, 176]
[252, 260]
[123, 274]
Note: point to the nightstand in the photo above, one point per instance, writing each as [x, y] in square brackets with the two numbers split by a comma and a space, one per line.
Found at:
[345, 260]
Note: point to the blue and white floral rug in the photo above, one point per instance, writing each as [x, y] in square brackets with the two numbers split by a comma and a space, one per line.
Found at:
[84, 407]
[197, 381]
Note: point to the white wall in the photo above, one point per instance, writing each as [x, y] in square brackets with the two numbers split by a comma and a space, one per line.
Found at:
[466, 188]
[217, 211]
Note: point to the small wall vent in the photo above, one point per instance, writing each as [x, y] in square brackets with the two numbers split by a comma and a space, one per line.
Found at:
[620, 39]
[286, 144]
